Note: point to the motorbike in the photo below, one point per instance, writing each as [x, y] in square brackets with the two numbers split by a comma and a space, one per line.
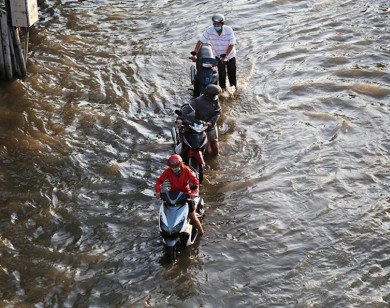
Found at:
[190, 142]
[205, 71]
[175, 227]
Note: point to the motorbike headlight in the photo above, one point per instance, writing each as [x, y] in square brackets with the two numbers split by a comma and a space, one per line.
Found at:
[177, 228]
[163, 226]
[171, 231]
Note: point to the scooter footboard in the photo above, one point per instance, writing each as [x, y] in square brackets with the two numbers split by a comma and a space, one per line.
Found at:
[190, 233]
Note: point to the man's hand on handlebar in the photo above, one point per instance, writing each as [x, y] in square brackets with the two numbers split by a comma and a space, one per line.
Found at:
[193, 57]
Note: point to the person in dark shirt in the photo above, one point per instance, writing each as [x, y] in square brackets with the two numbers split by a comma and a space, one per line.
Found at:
[207, 109]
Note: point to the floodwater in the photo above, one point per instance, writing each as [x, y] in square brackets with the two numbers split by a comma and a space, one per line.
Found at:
[297, 204]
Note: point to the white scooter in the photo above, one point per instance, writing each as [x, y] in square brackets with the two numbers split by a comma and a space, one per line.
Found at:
[175, 226]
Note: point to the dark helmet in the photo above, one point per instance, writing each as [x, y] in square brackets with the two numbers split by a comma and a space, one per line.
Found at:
[175, 161]
[218, 18]
[212, 91]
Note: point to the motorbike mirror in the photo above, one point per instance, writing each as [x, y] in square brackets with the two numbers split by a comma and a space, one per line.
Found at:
[223, 55]
[178, 112]
[193, 53]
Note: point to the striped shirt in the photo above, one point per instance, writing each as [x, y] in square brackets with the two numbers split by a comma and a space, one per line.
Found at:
[221, 42]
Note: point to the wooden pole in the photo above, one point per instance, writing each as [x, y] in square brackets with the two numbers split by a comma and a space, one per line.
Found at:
[19, 52]
[14, 56]
[2, 68]
[27, 38]
[6, 48]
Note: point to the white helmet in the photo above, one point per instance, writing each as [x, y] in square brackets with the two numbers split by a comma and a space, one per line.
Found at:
[218, 18]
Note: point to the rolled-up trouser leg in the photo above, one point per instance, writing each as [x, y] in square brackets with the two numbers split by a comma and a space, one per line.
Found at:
[212, 137]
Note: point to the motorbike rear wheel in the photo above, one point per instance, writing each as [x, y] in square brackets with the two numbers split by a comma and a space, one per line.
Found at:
[198, 167]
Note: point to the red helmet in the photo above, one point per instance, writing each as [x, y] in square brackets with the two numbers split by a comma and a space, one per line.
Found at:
[174, 161]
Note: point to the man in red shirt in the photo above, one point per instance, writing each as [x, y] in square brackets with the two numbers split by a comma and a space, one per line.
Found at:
[179, 177]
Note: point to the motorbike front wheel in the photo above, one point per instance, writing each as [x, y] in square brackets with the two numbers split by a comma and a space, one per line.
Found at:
[172, 253]
[198, 167]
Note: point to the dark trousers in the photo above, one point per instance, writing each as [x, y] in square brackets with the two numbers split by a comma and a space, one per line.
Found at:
[231, 73]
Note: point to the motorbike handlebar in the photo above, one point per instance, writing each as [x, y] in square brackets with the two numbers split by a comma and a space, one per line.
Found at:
[185, 120]
[174, 197]
[193, 56]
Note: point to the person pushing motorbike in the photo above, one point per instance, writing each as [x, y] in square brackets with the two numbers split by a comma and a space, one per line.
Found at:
[223, 41]
[207, 109]
[179, 177]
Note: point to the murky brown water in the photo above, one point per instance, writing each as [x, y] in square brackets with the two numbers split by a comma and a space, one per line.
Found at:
[297, 204]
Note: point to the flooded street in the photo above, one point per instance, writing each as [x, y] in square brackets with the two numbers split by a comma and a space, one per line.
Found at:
[297, 203]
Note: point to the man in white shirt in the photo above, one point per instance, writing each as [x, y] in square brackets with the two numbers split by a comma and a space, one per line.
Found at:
[222, 39]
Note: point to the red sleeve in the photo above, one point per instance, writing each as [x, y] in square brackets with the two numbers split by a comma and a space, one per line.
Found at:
[161, 180]
[193, 180]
